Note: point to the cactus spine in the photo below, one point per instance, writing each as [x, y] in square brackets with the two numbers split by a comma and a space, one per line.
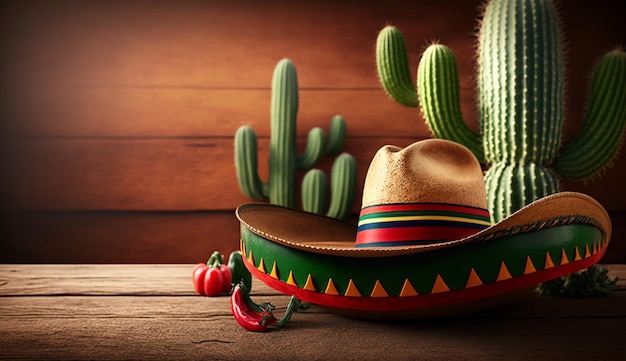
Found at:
[284, 162]
[521, 102]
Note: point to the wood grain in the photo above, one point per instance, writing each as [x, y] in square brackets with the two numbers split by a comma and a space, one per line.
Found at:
[213, 43]
[134, 280]
[117, 237]
[148, 237]
[89, 112]
[173, 174]
[92, 280]
[207, 336]
[142, 174]
[132, 106]
[173, 324]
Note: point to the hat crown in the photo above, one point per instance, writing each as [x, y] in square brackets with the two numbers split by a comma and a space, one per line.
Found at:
[430, 191]
[429, 171]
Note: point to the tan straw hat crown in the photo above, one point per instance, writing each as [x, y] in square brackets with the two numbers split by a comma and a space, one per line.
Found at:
[430, 191]
[430, 171]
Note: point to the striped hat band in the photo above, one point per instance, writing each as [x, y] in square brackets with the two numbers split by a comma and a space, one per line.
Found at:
[408, 224]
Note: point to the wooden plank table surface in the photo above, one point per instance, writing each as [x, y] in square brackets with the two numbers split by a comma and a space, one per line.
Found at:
[151, 312]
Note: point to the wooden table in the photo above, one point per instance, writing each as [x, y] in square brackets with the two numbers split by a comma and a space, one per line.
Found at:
[151, 312]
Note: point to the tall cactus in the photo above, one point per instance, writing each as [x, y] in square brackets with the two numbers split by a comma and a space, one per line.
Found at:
[521, 102]
[284, 162]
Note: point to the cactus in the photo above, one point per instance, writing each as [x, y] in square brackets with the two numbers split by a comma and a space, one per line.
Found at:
[521, 102]
[284, 161]
[592, 282]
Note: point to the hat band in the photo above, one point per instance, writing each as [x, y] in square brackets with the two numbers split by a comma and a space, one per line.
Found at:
[418, 223]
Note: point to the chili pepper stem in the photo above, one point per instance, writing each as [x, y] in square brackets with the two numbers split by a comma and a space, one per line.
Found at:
[294, 306]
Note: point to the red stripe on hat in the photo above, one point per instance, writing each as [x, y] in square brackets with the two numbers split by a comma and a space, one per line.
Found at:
[419, 234]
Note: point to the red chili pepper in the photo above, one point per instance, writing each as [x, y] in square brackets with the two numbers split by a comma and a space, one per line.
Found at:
[212, 278]
[257, 317]
[250, 316]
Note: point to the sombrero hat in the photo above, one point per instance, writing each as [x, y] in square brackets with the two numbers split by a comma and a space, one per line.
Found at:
[424, 245]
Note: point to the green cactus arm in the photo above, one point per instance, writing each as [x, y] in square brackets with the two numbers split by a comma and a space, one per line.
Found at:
[337, 135]
[315, 191]
[315, 188]
[599, 139]
[343, 180]
[246, 164]
[314, 149]
[392, 63]
[520, 81]
[282, 153]
[439, 99]
[317, 145]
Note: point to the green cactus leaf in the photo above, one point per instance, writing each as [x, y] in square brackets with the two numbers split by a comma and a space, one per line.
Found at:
[314, 149]
[343, 186]
[392, 62]
[246, 164]
[315, 191]
[439, 99]
[337, 135]
[598, 141]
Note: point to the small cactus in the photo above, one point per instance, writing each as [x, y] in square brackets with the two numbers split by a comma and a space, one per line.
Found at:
[284, 161]
[521, 102]
[592, 282]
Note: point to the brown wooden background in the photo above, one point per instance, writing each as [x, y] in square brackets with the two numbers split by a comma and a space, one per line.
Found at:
[118, 118]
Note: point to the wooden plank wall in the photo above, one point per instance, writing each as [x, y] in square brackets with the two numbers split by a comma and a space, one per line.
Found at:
[118, 118]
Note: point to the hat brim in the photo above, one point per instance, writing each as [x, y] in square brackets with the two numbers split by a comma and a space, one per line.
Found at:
[313, 257]
[319, 234]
